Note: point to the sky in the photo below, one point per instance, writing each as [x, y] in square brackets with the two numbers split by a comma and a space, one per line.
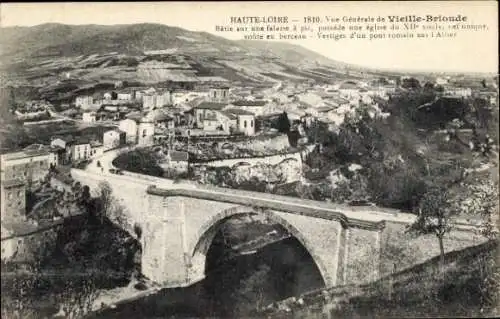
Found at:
[468, 52]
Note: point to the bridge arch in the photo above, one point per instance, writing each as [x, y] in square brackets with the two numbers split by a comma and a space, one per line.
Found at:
[207, 233]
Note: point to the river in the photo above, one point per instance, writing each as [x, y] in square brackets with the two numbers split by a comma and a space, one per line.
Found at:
[234, 286]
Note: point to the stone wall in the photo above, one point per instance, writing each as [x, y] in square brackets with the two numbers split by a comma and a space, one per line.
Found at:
[26, 248]
[270, 160]
[417, 249]
[362, 256]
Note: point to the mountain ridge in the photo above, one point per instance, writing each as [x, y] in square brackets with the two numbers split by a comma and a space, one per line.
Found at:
[68, 40]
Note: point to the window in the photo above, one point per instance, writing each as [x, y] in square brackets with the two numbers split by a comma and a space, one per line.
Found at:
[19, 203]
[144, 133]
[18, 193]
[245, 123]
[251, 123]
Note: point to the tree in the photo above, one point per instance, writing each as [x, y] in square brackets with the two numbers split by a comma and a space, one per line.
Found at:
[77, 295]
[435, 215]
[481, 199]
[283, 123]
[428, 86]
[252, 293]
[109, 207]
[410, 83]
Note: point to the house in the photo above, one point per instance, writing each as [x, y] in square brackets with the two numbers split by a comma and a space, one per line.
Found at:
[442, 81]
[12, 199]
[211, 122]
[323, 111]
[30, 165]
[245, 121]
[79, 150]
[129, 126]
[163, 99]
[145, 132]
[228, 121]
[97, 149]
[124, 96]
[219, 94]
[154, 100]
[148, 101]
[206, 110]
[60, 142]
[181, 97]
[161, 119]
[256, 107]
[89, 117]
[457, 91]
[84, 102]
[113, 139]
[337, 101]
[348, 89]
[178, 161]
[311, 99]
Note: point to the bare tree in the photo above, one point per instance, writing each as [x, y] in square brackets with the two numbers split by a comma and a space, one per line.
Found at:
[110, 207]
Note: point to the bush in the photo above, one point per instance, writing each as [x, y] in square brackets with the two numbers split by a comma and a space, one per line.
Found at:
[139, 161]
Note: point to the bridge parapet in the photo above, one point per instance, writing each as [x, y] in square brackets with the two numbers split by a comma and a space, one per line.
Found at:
[274, 202]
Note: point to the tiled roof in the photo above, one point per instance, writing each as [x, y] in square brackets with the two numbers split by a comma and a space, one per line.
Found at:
[348, 86]
[248, 103]
[24, 154]
[12, 183]
[211, 106]
[239, 112]
[178, 156]
[230, 115]
[324, 109]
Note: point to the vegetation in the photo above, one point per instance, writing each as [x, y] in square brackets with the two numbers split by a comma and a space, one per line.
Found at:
[435, 213]
[468, 286]
[88, 253]
[283, 124]
[140, 161]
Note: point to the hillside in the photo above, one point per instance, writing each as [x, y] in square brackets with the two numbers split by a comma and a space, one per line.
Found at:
[291, 53]
[71, 40]
[114, 52]
[468, 287]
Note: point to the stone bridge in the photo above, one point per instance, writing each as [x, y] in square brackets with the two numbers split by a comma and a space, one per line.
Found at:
[180, 220]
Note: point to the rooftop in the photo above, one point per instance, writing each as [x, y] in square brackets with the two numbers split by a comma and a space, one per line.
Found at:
[348, 86]
[158, 115]
[230, 115]
[324, 109]
[248, 103]
[239, 112]
[178, 156]
[211, 106]
[12, 183]
[24, 154]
